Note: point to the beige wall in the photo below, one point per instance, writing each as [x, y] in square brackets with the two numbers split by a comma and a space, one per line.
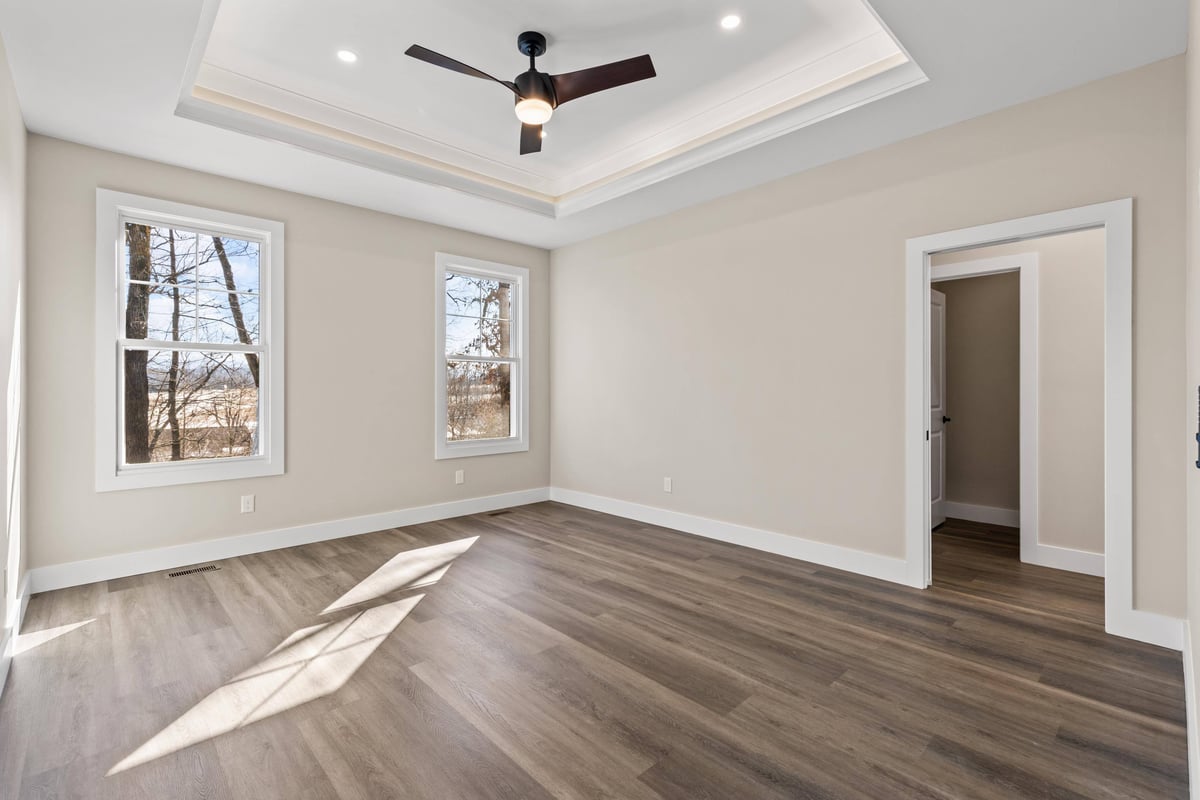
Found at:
[753, 347]
[1193, 353]
[1071, 386]
[360, 306]
[983, 349]
[12, 275]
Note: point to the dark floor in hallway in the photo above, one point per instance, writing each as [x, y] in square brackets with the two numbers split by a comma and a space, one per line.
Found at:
[985, 561]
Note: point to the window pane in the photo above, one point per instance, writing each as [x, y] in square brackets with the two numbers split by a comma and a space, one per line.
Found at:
[170, 313]
[462, 295]
[228, 264]
[227, 318]
[496, 299]
[495, 339]
[468, 296]
[478, 401]
[184, 405]
[466, 336]
[180, 314]
[159, 255]
[462, 336]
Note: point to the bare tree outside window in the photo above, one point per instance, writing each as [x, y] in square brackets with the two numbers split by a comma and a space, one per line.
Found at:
[201, 401]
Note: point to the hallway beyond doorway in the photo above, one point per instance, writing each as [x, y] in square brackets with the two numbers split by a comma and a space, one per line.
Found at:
[984, 561]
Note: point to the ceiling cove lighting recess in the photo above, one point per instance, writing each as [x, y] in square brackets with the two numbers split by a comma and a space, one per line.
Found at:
[730, 21]
[347, 56]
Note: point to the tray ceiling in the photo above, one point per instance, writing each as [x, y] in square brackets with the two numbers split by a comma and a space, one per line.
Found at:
[270, 68]
[121, 76]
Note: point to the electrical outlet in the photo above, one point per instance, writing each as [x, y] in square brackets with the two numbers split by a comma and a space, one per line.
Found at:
[460, 476]
[667, 485]
[247, 503]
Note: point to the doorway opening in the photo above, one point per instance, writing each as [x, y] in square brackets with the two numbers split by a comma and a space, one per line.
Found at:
[1115, 219]
[1017, 419]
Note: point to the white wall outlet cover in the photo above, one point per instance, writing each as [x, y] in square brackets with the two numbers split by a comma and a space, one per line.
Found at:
[667, 485]
[459, 476]
[247, 503]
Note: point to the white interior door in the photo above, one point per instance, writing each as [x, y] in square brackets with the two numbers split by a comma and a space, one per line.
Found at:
[937, 407]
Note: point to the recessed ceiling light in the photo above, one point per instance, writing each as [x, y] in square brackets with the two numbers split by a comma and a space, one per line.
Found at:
[349, 56]
[730, 21]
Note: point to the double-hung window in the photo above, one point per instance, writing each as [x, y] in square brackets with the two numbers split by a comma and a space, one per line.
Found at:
[481, 360]
[189, 344]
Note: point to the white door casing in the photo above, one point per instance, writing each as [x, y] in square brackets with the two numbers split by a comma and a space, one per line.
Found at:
[1116, 217]
[1026, 266]
[937, 408]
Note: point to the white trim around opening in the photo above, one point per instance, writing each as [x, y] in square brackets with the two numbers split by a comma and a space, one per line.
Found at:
[111, 339]
[1116, 218]
[1026, 265]
[517, 357]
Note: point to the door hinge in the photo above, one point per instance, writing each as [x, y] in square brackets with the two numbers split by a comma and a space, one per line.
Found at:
[927, 436]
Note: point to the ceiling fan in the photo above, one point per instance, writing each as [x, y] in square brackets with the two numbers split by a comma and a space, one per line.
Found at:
[537, 93]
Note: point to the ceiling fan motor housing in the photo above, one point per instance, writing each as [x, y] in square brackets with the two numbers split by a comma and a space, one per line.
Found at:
[534, 84]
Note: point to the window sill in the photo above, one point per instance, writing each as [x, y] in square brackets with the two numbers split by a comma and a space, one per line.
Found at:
[176, 474]
[445, 450]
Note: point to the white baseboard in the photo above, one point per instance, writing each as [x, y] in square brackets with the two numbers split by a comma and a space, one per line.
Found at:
[1046, 555]
[6, 654]
[1146, 626]
[24, 590]
[830, 555]
[988, 515]
[77, 573]
[8, 644]
[1141, 625]
[1193, 724]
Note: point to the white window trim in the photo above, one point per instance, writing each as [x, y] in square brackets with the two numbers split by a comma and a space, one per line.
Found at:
[519, 276]
[111, 208]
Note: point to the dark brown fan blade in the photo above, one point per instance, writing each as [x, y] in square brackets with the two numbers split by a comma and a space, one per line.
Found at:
[439, 60]
[531, 139]
[571, 85]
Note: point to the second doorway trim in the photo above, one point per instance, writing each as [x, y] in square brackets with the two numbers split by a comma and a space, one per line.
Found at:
[1032, 550]
[1026, 265]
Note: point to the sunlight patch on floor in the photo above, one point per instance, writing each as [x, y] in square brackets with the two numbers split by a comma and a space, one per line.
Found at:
[28, 641]
[410, 569]
[311, 663]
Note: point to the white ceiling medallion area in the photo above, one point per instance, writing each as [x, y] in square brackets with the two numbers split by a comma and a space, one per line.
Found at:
[278, 71]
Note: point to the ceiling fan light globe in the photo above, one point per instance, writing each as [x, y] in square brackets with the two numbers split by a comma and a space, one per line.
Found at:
[534, 111]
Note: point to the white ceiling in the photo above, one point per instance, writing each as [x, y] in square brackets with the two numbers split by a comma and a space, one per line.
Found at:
[112, 75]
[711, 82]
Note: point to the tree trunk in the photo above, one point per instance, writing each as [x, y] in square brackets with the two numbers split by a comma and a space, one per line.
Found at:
[235, 306]
[137, 387]
[504, 298]
[173, 373]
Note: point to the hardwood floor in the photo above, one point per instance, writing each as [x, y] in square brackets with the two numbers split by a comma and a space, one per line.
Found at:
[566, 653]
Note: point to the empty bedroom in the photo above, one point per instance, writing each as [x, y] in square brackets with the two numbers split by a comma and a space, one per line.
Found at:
[540, 400]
